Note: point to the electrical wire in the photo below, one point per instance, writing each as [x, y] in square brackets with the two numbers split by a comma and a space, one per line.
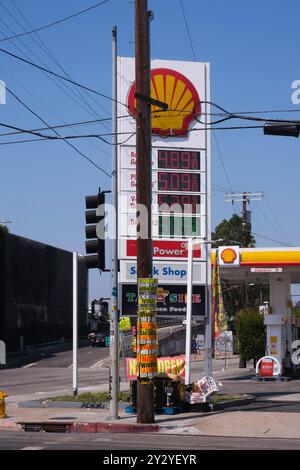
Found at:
[55, 131]
[188, 30]
[63, 86]
[49, 25]
[57, 137]
[45, 138]
[271, 239]
[224, 119]
[276, 218]
[266, 218]
[84, 87]
[230, 115]
[61, 126]
[43, 46]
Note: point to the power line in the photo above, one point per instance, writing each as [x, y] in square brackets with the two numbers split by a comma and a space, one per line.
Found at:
[66, 141]
[230, 115]
[53, 79]
[188, 31]
[45, 138]
[276, 218]
[225, 128]
[265, 217]
[271, 239]
[61, 126]
[222, 161]
[43, 46]
[270, 111]
[84, 87]
[56, 22]
[59, 84]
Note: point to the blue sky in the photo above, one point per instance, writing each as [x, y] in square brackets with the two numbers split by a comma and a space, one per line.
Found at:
[252, 48]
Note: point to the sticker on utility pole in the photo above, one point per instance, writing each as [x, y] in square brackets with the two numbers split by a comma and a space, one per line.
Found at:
[147, 342]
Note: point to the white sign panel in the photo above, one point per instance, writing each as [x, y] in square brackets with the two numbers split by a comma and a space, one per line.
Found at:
[191, 160]
[165, 272]
[181, 191]
[164, 203]
[173, 82]
[167, 181]
[178, 226]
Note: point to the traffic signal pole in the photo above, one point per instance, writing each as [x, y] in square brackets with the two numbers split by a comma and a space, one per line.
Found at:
[75, 323]
[145, 387]
[114, 321]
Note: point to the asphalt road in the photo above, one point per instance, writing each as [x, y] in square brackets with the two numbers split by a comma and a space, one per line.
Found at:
[12, 440]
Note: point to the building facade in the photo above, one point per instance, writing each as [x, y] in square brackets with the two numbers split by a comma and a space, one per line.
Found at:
[36, 293]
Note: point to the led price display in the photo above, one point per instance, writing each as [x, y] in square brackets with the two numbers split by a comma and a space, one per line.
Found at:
[179, 160]
[187, 203]
[179, 226]
[171, 181]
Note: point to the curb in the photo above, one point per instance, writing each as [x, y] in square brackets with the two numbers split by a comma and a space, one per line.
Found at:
[10, 426]
[114, 427]
[78, 427]
[63, 404]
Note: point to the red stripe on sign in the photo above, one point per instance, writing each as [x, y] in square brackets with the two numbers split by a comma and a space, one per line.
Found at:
[164, 249]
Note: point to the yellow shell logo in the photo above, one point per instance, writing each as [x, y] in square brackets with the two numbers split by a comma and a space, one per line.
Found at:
[178, 92]
[228, 255]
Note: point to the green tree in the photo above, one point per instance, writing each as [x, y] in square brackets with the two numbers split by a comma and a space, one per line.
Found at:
[250, 331]
[236, 298]
[232, 232]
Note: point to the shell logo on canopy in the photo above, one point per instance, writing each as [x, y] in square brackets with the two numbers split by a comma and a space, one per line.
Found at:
[229, 255]
[178, 92]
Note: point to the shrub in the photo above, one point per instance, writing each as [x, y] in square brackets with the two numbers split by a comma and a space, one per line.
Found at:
[250, 331]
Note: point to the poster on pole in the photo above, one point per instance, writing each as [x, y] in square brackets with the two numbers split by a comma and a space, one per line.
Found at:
[147, 342]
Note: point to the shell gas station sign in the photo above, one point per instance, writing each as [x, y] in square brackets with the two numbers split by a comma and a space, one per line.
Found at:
[180, 162]
[175, 89]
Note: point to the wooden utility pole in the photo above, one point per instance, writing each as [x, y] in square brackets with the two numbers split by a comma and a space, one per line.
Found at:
[145, 387]
[244, 198]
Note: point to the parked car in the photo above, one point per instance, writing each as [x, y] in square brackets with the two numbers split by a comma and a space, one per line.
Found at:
[97, 339]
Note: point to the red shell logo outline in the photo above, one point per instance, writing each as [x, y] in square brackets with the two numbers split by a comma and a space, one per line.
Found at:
[228, 255]
[173, 88]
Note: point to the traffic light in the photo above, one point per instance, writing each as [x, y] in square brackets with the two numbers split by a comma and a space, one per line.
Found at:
[94, 231]
[288, 129]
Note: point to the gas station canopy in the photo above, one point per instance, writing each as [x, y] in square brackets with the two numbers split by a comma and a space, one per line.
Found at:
[256, 264]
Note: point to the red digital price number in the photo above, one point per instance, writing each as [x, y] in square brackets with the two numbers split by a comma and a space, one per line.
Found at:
[188, 182]
[187, 203]
[178, 160]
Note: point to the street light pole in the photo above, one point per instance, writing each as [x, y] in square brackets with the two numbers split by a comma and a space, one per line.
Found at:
[75, 323]
[189, 305]
[208, 316]
[114, 321]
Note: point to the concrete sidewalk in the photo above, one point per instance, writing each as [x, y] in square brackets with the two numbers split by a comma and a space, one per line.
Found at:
[235, 422]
